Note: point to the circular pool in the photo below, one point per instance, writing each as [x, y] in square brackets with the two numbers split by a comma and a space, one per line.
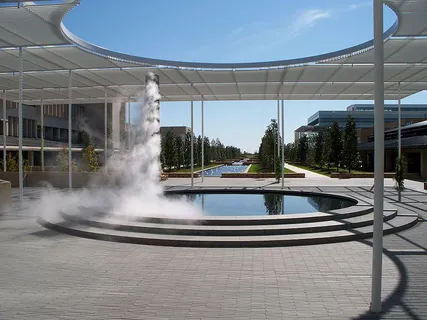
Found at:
[250, 203]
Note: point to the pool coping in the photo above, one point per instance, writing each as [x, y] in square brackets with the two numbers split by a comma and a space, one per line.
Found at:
[351, 211]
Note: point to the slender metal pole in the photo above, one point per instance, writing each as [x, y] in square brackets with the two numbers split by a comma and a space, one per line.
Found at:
[203, 142]
[42, 134]
[70, 130]
[282, 143]
[379, 157]
[105, 127]
[399, 125]
[21, 84]
[192, 139]
[4, 130]
[278, 127]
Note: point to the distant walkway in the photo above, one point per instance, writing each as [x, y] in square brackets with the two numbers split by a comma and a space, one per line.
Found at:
[308, 174]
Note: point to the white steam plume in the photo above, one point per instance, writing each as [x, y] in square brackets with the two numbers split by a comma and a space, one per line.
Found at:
[139, 193]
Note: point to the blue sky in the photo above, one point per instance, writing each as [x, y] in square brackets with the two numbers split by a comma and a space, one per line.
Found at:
[231, 31]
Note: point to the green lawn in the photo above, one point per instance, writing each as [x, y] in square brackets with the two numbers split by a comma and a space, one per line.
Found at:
[324, 171]
[256, 168]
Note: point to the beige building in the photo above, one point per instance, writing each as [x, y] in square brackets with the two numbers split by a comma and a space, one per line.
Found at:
[85, 117]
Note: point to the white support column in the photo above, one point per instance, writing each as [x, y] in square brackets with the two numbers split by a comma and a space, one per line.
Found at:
[203, 142]
[378, 157]
[20, 121]
[4, 130]
[278, 126]
[399, 125]
[283, 143]
[192, 139]
[42, 134]
[70, 132]
[129, 128]
[105, 128]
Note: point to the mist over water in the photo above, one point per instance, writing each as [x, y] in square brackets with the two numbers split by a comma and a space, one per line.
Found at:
[140, 193]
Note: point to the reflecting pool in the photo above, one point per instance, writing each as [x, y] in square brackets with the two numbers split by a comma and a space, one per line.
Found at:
[229, 204]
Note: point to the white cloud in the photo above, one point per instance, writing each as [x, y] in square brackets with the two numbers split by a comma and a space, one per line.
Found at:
[308, 19]
[236, 32]
[356, 6]
[257, 38]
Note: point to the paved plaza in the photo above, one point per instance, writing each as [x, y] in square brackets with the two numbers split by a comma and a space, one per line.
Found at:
[47, 275]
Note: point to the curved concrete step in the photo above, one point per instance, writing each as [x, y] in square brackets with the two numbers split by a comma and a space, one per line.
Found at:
[396, 224]
[208, 230]
[338, 214]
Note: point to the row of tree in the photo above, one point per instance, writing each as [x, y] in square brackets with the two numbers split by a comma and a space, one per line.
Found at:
[330, 147]
[176, 152]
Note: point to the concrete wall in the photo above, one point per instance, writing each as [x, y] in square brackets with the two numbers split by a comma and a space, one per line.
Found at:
[5, 196]
[60, 179]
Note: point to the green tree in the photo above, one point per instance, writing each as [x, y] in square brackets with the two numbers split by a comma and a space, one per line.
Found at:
[220, 150]
[187, 150]
[318, 148]
[213, 148]
[399, 175]
[170, 153]
[310, 150]
[327, 148]
[350, 153]
[302, 149]
[12, 162]
[336, 144]
[62, 161]
[198, 149]
[179, 148]
[207, 150]
[278, 171]
[267, 148]
[91, 159]
[162, 152]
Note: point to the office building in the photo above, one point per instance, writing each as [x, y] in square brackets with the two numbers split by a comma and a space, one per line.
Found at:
[85, 117]
[363, 115]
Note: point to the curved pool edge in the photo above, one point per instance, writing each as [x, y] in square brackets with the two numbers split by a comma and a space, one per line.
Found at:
[217, 220]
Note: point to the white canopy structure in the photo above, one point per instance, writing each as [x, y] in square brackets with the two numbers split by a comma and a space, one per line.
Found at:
[50, 51]
[43, 62]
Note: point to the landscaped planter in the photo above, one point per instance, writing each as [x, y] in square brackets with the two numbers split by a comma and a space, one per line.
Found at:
[60, 179]
[260, 175]
[181, 174]
[346, 175]
[12, 177]
[5, 196]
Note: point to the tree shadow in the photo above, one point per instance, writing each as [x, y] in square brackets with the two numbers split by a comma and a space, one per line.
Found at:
[396, 297]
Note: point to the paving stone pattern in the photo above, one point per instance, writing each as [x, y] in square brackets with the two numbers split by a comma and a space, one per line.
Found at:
[47, 275]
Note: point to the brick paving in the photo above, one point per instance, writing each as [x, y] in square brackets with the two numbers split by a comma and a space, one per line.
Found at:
[46, 275]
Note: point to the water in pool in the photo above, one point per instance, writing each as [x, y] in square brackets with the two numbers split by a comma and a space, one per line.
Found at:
[216, 172]
[264, 204]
